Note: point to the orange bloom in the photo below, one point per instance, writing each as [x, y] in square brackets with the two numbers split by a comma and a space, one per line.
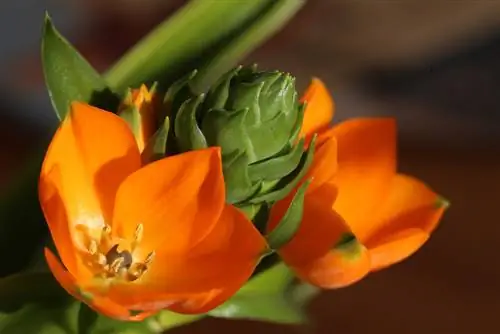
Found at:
[360, 215]
[136, 239]
[139, 107]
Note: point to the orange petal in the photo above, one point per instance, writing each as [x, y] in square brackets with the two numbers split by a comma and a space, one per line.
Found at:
[346, 264]
[404, 221]
[324, 166]
[213, 270]
[97, 303]
[366, 164]
[397, 247]
[407, 197]
[226, 257]
[319, 231]
[312, 252]
[177, 199]
[319, 109]
[89, 156]
[224, 262]
[53, 207]
[142, 315]
[205, 302]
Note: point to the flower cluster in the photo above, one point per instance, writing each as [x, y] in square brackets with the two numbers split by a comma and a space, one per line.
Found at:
[154, 207]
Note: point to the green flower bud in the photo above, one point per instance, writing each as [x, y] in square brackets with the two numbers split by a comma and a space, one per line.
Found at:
[255, 117]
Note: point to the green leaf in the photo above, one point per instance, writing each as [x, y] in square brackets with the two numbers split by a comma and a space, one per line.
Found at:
[87, 319]
[266, 297]
[104, 325]
[166, 320]
[68, 76]
[21, 218]
[196, 36]
[35, 303]
[290, 222]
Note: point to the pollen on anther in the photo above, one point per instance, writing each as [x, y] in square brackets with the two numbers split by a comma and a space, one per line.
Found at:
[92, 247]
[106, 229]
[139, 231]
[149, 257]
[117, 264]
[105, 233]
[101, 259]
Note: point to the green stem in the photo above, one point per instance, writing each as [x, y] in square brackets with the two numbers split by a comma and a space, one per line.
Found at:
[268, 23]
[175, 46]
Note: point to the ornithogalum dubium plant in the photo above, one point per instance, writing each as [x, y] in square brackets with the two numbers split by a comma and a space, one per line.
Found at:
[179, 185]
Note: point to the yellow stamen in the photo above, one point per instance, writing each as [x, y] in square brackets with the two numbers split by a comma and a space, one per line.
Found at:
[113, 258]
[92, 247]
[150, 258]
[138, 234]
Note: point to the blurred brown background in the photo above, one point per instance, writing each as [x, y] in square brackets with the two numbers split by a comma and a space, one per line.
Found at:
[432, 64]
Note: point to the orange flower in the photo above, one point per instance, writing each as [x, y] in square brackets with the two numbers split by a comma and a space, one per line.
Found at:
[133, 239]
[359, 214]
[139, 108]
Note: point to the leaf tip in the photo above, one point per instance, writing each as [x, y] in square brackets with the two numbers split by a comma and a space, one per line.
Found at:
[47, 18]
[47, 22]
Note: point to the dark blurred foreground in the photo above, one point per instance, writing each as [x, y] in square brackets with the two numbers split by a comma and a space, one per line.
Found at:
[433, 65]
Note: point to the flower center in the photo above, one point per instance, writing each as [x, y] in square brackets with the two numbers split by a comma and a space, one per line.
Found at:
[110, 258]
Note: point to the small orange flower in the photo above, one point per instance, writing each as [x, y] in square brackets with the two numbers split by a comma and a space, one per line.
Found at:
[140, 107]
[360, 215]
[136, 239]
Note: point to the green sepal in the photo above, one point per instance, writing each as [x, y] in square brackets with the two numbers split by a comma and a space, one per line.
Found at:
[290, 222]
[258, 111]
[154, 88]
[69, 77]
[349, 246]
[238, 184]
[223, 127]
[219, 92]
[298, 125]
[441, 202]
[131, 115]
[177, 94]
[287, 184]
[250, 210]
[187, 133]
[156, 146]
[277, 167]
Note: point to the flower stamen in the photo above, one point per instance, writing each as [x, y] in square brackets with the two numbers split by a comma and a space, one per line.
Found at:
[92, 247]
[117, 261]
[150, 258]
[138, 234]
